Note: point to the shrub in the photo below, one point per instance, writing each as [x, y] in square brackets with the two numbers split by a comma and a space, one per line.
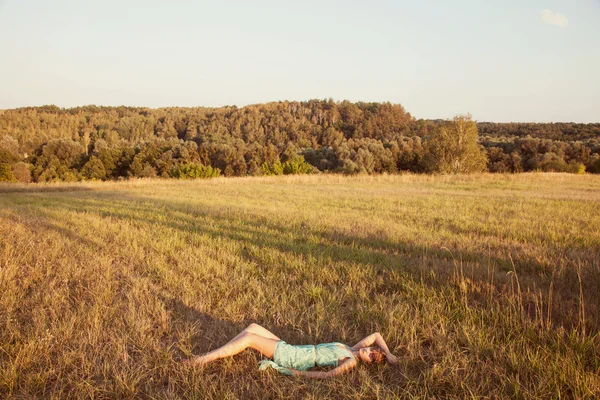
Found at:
[297, 165]
[594, 165]
[6, 173]
[94, 169]
[22, 172]
[293, 166]
[275, 168]
[148, 171]
[349, 168]
[552, 162]
[194, 171]
[577, 168]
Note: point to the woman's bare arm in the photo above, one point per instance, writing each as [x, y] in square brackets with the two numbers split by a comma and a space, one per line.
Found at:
[377, 339]
[344, 367]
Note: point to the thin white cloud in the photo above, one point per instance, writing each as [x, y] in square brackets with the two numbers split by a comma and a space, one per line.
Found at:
[552, 18]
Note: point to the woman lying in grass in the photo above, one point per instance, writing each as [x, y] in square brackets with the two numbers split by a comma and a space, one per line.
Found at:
[296, 360]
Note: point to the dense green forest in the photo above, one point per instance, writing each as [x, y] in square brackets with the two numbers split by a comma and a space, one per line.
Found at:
[48, 143]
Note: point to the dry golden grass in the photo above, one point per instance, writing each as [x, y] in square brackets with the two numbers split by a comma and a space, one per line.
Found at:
[484, 286]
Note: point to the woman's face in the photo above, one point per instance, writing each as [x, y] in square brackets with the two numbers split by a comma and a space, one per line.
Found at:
[366, 354]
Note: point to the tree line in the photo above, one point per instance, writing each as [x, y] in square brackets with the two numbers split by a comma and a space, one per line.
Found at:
[44, 144]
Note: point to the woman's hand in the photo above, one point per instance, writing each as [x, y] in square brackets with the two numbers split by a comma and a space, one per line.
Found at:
[194, 361]
[392, 359]
[344, 367]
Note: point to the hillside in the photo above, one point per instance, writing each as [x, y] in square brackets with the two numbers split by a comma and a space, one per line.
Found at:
[330, 136]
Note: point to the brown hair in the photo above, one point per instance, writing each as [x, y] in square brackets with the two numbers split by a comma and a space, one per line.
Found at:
[377, 355]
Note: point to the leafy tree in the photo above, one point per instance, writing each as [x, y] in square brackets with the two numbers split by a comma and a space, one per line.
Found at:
[7, 158]
[148, 172]
[94, 169]
[349, 167]
[594, 164]
[498, 160]
[254, 169]
[343, 136]
[577, 168]
[453, 148]
[52, 170]
[22, 172]
[100, 145]
[10, 145]
[6, 173]
[552, 162]
[136, 167]
[332, 137]
[66, 150]
[516, 162]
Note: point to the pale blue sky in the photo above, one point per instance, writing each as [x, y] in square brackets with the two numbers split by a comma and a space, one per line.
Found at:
[499, 60]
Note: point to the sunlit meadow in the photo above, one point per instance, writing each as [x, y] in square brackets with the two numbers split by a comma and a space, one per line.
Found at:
[483, 285]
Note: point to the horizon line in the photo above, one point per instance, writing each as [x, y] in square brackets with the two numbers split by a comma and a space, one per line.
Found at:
[295, 101]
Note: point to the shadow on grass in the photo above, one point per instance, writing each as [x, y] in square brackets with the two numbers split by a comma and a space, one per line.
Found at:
[373, 252]
[302, 240]
[46, 222]
[380, 254]
[41, 188]
[210, 332]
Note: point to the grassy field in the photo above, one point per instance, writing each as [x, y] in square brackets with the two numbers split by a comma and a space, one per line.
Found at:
[483, 286]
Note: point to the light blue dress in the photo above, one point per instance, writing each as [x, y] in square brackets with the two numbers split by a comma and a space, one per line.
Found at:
[304, 357]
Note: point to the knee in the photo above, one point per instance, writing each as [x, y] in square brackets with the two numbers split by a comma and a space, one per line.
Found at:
[248, 339]
[253, 325]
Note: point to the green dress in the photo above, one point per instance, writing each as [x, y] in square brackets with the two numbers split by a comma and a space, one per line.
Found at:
[304, 357]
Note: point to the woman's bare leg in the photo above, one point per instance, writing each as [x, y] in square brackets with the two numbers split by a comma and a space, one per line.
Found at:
[266, 346]
[257, 330]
